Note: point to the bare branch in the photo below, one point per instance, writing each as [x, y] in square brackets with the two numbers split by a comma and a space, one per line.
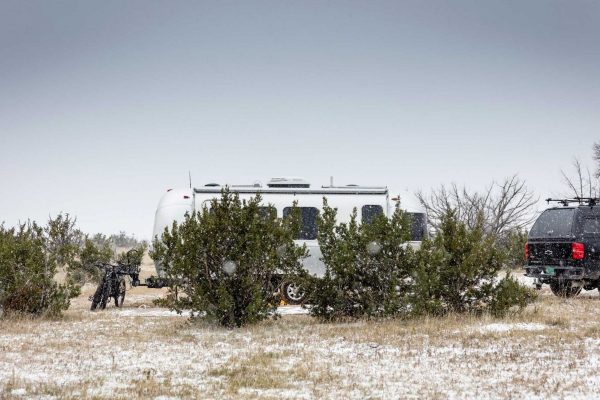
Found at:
[597, 158]
[580, 183]
[504, 207]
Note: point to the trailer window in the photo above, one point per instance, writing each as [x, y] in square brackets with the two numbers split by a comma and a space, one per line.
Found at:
[268, 212]
[370, 212]
[418, 228]
[591, 226]
[308, 222]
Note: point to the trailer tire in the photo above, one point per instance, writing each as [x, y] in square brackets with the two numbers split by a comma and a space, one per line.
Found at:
[293, 293]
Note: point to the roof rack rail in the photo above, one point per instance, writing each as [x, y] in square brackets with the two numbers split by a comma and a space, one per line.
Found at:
[590, 201]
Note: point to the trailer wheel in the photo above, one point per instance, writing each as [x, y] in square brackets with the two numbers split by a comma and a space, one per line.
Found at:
[564, 290]
[120, 293]
[293, 293]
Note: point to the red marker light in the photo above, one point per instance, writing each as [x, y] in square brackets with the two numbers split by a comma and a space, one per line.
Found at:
[578, 251]
[527, 251]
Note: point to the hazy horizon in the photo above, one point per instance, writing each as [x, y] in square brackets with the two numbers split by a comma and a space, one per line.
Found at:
[104, 106]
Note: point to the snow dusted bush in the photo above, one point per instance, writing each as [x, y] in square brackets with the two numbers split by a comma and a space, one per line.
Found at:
[122, 239]
[510, 295]
[367, 267]
[30, 256]
[134, 256]
[371, 272]
[512, 245]
[83, 268]
[458, 272]
[99, 249]
[223, 260]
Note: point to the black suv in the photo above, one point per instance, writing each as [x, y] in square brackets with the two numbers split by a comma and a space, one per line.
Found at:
[563, 247]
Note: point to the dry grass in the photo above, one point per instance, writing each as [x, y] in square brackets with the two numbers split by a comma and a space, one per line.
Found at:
[552, 349]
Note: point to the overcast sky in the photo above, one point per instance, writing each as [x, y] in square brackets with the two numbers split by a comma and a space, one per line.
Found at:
[105, 105]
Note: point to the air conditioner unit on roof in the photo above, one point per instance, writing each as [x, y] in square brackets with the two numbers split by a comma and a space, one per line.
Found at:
[288, 182]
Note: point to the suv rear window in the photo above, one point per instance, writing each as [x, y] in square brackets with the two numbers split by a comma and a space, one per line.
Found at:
[591, 226]
[555, 223]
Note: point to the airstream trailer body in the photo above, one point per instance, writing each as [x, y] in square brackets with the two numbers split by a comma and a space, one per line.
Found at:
[281, 193]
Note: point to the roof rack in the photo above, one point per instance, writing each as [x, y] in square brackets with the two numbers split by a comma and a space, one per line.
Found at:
[590, 201]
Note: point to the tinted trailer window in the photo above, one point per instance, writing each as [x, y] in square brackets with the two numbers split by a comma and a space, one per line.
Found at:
[369, 213]
[308, 222]
[555, 223]
[268, 212]
[418, 229]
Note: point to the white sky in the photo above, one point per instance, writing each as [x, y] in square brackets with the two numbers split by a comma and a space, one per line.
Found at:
[105, 105]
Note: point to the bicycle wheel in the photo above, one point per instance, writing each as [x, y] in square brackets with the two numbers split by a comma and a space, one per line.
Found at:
[119, 294]
[97, 296]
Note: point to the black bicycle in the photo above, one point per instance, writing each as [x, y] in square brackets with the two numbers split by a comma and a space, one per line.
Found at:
[113, 283]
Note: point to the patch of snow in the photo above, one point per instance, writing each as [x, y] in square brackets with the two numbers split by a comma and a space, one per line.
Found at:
[523, 280]
[144, 311]
[147, 312]
[292, 310]
[278, 393]
[500, 327]
[18, 392]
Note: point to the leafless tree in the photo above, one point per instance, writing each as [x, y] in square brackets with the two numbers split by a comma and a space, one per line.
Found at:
[597, 158]
[580, 182]
[504, 206]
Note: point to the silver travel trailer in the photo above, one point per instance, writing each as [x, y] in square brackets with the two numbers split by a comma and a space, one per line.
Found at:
[281, 194]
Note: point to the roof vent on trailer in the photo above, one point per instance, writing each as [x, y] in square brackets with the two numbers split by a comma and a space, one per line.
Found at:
[288, 183]
[212, 185]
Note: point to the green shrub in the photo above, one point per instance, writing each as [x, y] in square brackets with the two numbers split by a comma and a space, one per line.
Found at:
[134, 256]
[425, 296]
[510, 295]
[512, 245]
[457, 272]
[122, 239]
[367, 267]
[83, 268]
[30, 256]
[223, 260]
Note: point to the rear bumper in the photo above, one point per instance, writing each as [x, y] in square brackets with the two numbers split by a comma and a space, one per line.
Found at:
[546, 273]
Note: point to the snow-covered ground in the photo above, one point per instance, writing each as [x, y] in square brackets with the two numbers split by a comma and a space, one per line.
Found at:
[552, 350]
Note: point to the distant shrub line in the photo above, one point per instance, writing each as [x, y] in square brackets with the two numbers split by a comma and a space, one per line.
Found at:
[227, 261]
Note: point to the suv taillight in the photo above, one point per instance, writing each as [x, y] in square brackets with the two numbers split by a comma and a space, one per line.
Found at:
[578, 251]
[526, 251]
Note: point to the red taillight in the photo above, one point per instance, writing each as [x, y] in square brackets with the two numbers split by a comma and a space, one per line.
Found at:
[578, 251]
[526, 251]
